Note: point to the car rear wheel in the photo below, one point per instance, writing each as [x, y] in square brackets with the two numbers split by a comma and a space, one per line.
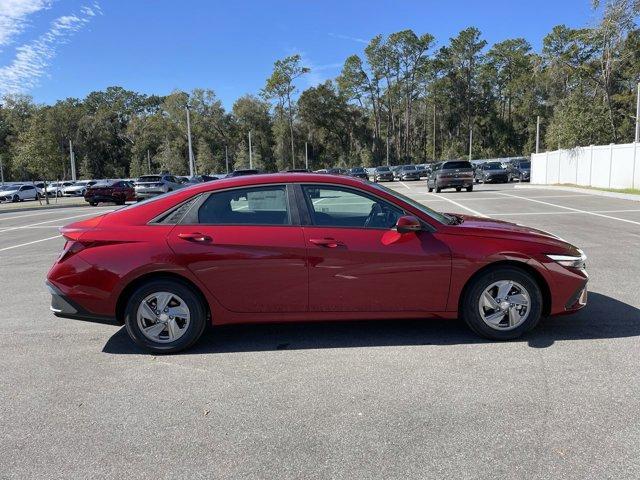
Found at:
[430, 189]
[502, 303]
[438, 189]
[165, 316]
[15, 198]
[470, 188]
[93, 204]
[458, 189]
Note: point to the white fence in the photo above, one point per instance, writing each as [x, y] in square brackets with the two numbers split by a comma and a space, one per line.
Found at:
[604, 166]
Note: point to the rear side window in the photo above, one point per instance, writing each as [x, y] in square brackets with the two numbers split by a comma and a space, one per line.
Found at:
[246, 206]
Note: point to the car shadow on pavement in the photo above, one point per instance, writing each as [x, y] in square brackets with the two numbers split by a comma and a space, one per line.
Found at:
[603, 318]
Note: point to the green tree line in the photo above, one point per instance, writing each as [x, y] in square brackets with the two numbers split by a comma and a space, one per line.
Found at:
[404, 99]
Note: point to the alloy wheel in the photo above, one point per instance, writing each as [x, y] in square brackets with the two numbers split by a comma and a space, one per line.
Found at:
[504, 305]
[163, 317]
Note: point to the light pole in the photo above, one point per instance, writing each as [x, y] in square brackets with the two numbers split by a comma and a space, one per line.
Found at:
[250, 153]
[1, 171]
[226, 158]
[470, 142]
[538, 134]
[306, 156]
[148, 162]
[72, 158]
[192, 167]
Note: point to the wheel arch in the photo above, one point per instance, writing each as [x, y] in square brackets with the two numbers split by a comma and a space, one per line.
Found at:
[525, 267]
[127, 291]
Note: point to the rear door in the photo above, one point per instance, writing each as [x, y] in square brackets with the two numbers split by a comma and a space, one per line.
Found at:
[358, 263]
[246, 245]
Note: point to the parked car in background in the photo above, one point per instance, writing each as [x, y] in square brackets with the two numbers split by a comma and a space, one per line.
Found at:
[383, 174]
[243, 172]
[55, 189]
[396, 169]
[78, 189]
[423, 171]
[336, 171]
[116, 191]
[18, 193]
[151, 185]
[492, 172]
[189, 259]
[200, 179]
[408, 172]
[456, 174]
[524, 171]
[297, 170]
[358, 172]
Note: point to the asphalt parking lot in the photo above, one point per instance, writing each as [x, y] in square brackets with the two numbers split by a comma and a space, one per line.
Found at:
[356, 400]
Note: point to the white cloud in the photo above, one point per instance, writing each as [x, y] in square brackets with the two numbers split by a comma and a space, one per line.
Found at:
[347, 37]
[13, 17]
[33, 58]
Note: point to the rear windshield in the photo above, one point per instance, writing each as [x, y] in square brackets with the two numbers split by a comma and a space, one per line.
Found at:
[150, 178]
[409, 167]
[456, 164]
[382, 169]
[525, 165]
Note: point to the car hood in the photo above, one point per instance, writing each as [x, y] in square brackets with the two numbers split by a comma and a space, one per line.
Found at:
[490, 227]
[497, 171]
[8, 192]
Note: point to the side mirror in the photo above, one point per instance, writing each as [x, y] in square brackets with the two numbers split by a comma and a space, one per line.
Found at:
[407, 224]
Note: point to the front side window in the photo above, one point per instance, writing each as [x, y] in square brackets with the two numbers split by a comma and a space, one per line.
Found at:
[246, 206]
[341, 207]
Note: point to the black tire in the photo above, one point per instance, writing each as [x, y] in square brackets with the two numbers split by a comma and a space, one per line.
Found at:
[458, 189]
[469, 305]
[438, 189]
[15, 199]
[197, 310]
[430, 189]
[470, 188]
[476, 180]
[93, 204]
[58, 194]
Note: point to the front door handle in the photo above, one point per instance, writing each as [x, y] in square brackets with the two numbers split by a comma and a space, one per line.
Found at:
[195, 237]
[326, 242]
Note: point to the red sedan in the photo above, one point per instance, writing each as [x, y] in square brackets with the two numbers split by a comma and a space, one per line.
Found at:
[116, 191]
[296, 247]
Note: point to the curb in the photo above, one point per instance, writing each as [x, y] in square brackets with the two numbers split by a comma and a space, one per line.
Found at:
[41, 207]
[622, 196]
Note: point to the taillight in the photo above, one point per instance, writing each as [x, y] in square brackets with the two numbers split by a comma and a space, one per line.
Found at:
[71, 247]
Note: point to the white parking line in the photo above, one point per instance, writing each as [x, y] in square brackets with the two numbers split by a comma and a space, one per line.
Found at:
[49, 211]
[475, 212]
[572, 209]
[20, 227]
[561, 213]
[29, 243]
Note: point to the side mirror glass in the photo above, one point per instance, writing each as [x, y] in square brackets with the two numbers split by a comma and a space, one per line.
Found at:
[407, 224]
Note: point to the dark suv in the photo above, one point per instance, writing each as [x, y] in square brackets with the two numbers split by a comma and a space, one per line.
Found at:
[456, 174]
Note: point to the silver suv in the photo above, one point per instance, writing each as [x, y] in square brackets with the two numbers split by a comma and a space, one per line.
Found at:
[152, 185]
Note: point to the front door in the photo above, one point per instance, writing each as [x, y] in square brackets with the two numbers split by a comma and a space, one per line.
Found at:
[357, 262]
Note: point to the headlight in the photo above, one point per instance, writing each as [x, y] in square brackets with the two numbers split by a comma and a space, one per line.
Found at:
[570, 261]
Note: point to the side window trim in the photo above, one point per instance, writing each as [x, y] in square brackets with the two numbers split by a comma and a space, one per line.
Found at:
[292, 206]
[307, 219]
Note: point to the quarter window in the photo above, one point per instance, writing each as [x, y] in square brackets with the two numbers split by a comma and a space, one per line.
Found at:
[246, 206]
[341, 207]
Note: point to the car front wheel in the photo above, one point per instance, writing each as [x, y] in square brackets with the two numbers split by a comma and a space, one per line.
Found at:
[165, 316]
[502, 303]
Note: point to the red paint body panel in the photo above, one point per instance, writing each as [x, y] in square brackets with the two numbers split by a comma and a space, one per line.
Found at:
[296, 273]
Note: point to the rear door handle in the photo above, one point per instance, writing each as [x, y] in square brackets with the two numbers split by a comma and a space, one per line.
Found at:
[195, 237]
[326, 242]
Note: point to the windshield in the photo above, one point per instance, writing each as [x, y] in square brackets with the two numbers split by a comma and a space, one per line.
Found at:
[525, 165]
[440, 217]
[382, 169]
[456, 164]
[150, 178]
[493, 166]
[357, 170]
[409, 167]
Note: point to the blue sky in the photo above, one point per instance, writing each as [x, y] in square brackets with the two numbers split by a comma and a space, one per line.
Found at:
[53, 49]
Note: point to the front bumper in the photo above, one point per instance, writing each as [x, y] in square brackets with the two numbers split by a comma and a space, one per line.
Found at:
[497, 179]
[148, 193]
[384, 178]
[62, 306]
[410, 177]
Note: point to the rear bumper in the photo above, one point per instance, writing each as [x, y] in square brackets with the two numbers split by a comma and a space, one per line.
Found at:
[62, 306]
[454, 182]
[99, 198]
[497, 179]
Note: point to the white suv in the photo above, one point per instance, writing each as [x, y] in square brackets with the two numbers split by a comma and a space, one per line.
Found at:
[18, 193]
